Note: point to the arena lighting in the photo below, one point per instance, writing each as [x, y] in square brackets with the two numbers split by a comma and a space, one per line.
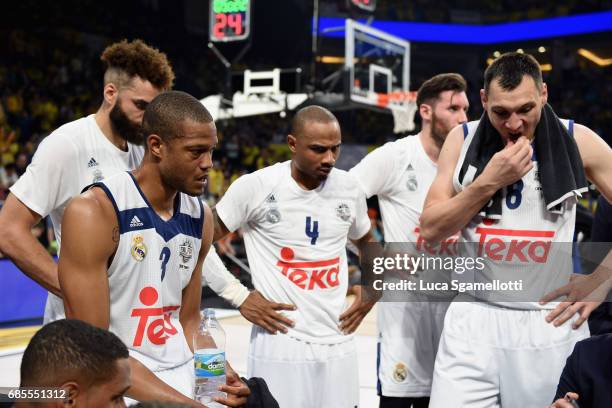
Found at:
[591, 56]
[496, 54]
[483, 34]
[542, 50]
[543, 67]
[520, 51]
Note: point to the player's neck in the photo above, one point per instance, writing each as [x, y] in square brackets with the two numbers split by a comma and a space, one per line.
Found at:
[302, 179]
[160, 196]
[431, 147]
[104, 123]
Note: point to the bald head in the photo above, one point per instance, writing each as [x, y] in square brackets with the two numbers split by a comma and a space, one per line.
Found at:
[311, 114]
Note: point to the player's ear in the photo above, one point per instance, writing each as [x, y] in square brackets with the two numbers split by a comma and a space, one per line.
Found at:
[425, 111]
[483, 99]
[154, 145]
[544, 93]
[291, 140]
[110, 93]
[72, 393]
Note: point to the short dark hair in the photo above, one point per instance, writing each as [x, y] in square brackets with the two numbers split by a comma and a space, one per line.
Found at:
[124, 60]
[312, 113]
[166, 113]
[434, 86]
[509, 70]
[71, 349]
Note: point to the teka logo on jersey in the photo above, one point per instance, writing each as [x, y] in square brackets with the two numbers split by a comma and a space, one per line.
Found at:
[309, 275]
[158, 328]
[511, 245]
[448, 247]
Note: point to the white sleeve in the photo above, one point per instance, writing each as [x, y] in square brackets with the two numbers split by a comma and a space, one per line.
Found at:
[221, 281]
[47, 181]
[374, 172]
[361, 223]
[236, 205]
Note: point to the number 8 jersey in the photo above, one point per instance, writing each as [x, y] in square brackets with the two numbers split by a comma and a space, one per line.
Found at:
[296, 242]
[153, 263]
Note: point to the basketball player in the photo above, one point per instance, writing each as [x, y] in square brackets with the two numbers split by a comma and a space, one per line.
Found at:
[495, 352]
[86, 151]
[400, 174]
[87, 363]
[296, 217]
[133, 249]
[80, 153]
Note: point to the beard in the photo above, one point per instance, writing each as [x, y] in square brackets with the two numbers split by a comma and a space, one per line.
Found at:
[124, 127]
[438, 130]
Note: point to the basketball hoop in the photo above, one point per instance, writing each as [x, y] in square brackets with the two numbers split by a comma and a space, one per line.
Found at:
[403, 107]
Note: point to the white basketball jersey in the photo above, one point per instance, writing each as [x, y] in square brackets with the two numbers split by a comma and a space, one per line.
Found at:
[528, 243]
[295, 241]
[153, 264]
[69, 159]
[400, 174]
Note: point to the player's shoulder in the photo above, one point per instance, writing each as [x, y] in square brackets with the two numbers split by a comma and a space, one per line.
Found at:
[64, 141]
[92, 203]
[343, 181]
[268, 175]
[75, 130]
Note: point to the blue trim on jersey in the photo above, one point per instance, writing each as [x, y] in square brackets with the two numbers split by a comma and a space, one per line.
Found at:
[570, 127]
[146, 218]
[110, 196]
[465, 130]
[177, 199]
[534, 157]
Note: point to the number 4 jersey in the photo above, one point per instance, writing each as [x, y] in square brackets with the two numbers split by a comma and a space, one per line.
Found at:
[151, 267]
[295, 241]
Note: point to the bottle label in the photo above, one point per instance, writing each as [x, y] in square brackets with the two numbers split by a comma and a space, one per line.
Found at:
[209, 365]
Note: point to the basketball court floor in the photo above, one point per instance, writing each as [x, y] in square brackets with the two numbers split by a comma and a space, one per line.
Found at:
[238, 330]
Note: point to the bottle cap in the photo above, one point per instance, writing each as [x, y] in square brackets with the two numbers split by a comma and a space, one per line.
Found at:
[209, 312]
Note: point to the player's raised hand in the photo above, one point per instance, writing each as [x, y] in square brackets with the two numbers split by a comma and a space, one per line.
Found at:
[237, 391]
[510, 164]
[260, 311]
[353, 316]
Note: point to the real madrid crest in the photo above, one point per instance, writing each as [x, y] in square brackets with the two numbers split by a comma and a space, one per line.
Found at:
[273, 216]
[139, 249]
[411, 182]
[343, 211]
[400, 373]
[186, 251]
[97, 175]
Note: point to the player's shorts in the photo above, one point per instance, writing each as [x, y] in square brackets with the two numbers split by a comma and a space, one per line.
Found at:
[409, 333]
[305, 375]
[181, 378]
[491, 356]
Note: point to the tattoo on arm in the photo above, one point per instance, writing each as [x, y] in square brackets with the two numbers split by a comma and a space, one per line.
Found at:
[116, 234]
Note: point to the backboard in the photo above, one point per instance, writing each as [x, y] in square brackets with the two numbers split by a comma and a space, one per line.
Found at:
[378, 66]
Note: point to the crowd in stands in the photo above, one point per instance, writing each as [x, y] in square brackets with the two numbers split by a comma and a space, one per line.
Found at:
[51, 80]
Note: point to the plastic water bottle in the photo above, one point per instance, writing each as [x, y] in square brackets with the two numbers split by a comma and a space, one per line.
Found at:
[209, 360]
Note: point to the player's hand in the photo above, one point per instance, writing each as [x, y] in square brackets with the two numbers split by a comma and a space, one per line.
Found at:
[353, 316]
[237, 391]
[565, 402]
[260, 311]
[583, 294]
[510, 164]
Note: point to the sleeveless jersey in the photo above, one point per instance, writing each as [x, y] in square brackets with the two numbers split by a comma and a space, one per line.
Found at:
[528, 243]
[153, 263]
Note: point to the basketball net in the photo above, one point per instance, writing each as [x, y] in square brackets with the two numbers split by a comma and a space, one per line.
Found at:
[403, 107]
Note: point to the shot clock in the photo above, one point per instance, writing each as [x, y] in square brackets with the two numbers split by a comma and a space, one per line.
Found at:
[230, 20]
